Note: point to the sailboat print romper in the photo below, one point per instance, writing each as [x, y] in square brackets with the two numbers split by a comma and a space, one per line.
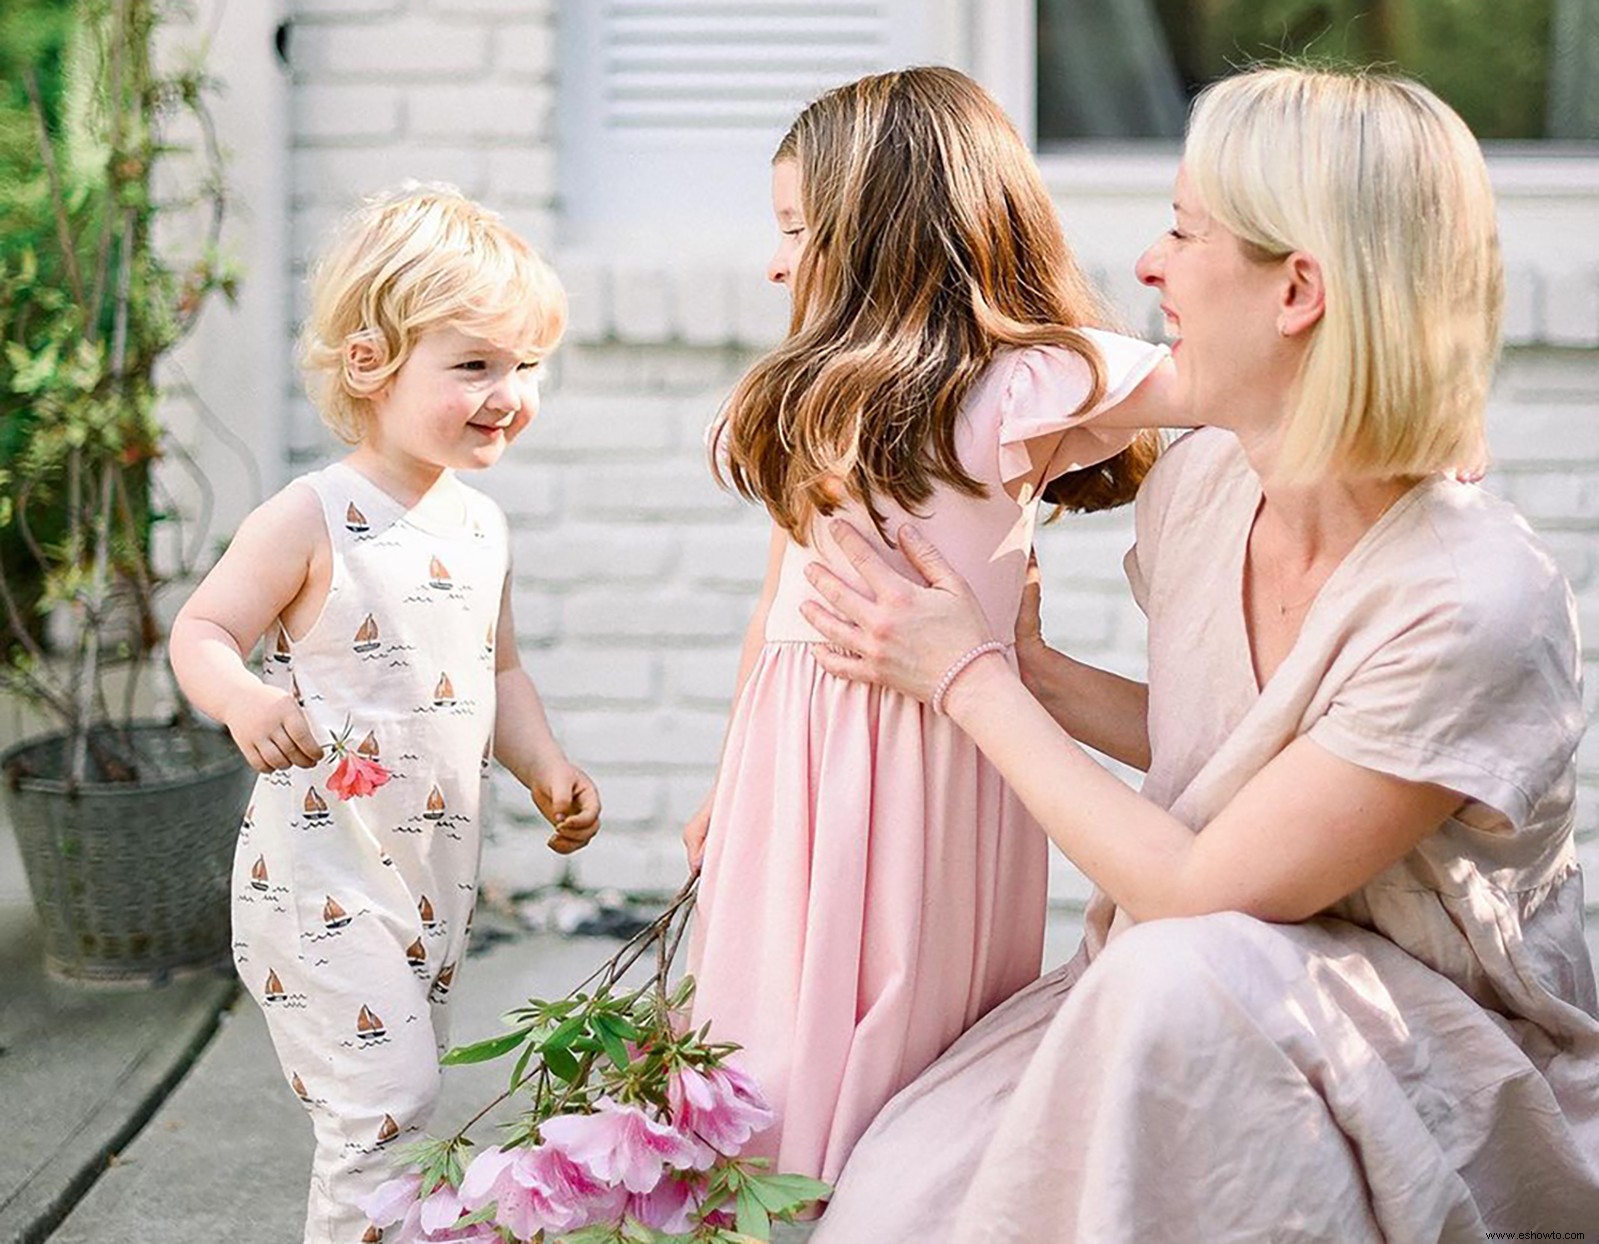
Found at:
[351, 918]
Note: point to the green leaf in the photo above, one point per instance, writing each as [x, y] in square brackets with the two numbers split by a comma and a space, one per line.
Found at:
[521, 1064]
[483, 1051]
[752, 1216]
[563, 1037]
[562, 1064]
[784, 1194]
[605, 1028]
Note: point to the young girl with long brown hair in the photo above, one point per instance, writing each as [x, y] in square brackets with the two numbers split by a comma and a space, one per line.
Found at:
[870, 886]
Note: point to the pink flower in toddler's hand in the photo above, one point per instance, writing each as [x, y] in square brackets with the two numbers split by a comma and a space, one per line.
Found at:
[621, 1144]
[391, 1200]
[355, 776]
[538, 1189]
[719, 1109]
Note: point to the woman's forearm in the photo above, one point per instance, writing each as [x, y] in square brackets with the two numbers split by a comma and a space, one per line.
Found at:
[1099, 709]
[1135, 851]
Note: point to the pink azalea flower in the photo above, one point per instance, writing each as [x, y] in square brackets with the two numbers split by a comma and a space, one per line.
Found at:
[355, 776]
[388, 1204]
[441, 1210]
[621, 1144]
[538, 1189]
[719, 1108]
[670, 1207]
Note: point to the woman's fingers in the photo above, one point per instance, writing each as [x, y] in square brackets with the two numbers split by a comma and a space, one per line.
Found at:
[867, 561]
[848, 604]
[842, 664]
[925, 556]
[831, 627]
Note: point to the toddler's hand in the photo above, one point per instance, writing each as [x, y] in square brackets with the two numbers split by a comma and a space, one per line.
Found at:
[1029, 629]
[272, 732]
[570, 802]
[694, 834]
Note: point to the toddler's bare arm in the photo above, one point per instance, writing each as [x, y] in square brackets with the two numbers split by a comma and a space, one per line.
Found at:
[276, 561]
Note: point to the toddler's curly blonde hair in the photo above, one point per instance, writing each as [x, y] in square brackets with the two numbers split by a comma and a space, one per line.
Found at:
[406, 261]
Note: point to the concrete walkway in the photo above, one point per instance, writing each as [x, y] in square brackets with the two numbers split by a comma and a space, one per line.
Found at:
[159, 1116]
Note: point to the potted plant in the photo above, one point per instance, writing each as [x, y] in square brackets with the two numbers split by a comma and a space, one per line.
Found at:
[125, 825]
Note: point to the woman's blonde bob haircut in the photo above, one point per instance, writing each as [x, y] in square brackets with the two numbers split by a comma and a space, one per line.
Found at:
[1382, 183]
[409, 260]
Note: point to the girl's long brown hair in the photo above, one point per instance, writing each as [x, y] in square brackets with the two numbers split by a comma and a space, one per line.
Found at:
[933, 244]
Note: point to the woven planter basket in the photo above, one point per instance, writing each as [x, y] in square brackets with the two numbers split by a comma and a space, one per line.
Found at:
[130, 878]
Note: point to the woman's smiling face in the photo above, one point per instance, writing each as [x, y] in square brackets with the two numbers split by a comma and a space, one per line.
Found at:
[1222, 309]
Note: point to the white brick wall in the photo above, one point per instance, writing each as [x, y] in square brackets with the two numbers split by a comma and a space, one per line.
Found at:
[634, 575]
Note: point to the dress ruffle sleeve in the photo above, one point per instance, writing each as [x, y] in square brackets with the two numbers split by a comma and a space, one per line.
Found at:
[1043, 431]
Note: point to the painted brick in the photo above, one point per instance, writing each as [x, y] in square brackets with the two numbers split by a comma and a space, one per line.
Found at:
[524, 490]
[537, 616]
[1577, 554]
[674, 490]
[588, 296]
[1073, 555]
[516, 859]
[706, 310]
[1588, 756]
[641, 309]
[685, 792]
[487, 110]
[576, 425]
[1067, 886]
[340, 176]
[1079, 623]
[1571, 308]
[523, 50]
[580, 678]
[568, 555]
[702, 679]
[1523, 294]
[311, 11]
[1544, 432]
[1556, 498]
[534, 224]
[366, 113]
[413, 47]
[731, 555]
[542, 10]
[521, 174]
[635, 863]
[760, 310]
[668, 616]
[655, 739]
[1588, 623]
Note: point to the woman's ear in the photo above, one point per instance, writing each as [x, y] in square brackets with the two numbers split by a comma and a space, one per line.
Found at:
[1303, 298]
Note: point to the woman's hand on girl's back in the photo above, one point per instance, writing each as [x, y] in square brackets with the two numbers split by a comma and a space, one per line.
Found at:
[903, 636]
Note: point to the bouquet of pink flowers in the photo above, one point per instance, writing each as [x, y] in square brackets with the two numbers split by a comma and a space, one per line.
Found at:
[632, 1133]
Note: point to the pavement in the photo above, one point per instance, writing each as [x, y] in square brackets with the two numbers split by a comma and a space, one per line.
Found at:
[157, 1114]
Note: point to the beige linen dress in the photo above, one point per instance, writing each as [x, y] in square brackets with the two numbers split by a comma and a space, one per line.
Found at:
[1418, 1063]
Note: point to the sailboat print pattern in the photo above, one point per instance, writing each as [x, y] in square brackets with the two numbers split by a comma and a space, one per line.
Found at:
[352, 916]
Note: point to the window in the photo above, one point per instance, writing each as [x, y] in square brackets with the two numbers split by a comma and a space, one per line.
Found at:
[1117, 69]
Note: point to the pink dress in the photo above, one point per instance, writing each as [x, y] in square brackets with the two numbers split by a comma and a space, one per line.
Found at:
[871, 887]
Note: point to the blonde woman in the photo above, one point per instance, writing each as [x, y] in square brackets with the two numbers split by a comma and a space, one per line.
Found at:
[870, 886]
[1334, 985]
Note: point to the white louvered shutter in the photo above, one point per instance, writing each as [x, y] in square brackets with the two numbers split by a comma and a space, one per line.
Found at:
[670, 109]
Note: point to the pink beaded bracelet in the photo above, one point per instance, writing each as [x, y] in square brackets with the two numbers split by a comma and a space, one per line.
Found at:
[954, 671]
